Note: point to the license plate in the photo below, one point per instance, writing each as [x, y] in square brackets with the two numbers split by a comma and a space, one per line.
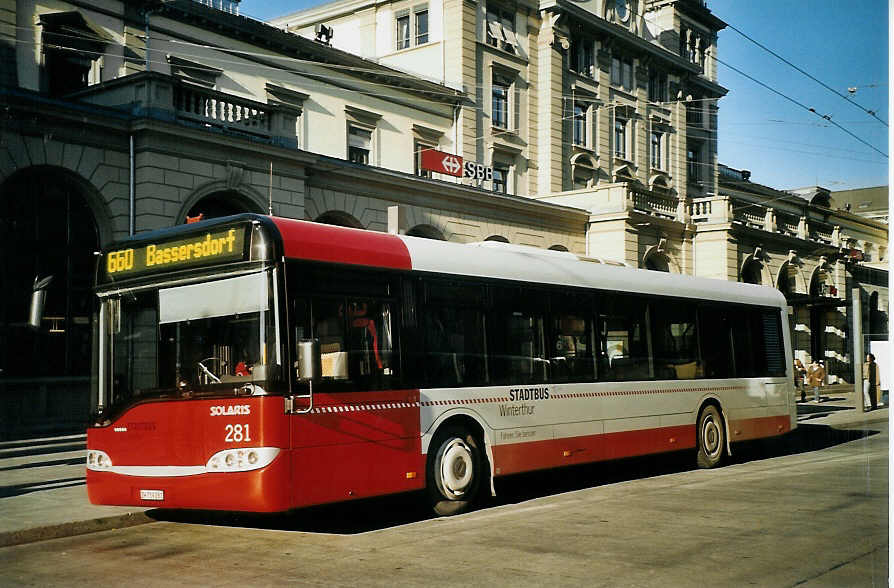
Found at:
[152, 494]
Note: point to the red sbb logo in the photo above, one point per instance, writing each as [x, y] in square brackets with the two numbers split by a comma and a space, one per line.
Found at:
[453, 165]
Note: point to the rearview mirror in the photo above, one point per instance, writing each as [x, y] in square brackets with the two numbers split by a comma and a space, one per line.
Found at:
[38, 301]
[307, 368]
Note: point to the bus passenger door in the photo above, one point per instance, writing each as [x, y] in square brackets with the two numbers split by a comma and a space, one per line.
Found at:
[361, 435]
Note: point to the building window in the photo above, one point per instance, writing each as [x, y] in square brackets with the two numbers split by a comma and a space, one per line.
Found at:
[403, 31]
[622, 72]
[693, 46]
[694, 113]
[418, 148]
[415, 21]
[359, 144]
[73, 51]
[501, 179]
[580, 57]
[621, 138]
[421, 15]
[500, 101]
[501, 28]
[656, 140]
[693, 162]
[579, 125]
[657, 86]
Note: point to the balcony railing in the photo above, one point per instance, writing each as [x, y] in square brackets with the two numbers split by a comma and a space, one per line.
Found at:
[787, 225]
[654, 204]
[751, 217]
[216, 109]
[166, 97]
[713, 209]
[721, 210]
[821, 234]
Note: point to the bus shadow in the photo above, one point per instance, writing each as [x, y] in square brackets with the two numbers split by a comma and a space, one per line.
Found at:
[381, 513]
[346, 518]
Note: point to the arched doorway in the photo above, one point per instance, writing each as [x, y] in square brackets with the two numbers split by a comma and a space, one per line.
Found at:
[340, 218]
[787, 280]
[821, 295]
[426, 232]
[752, 272]
[223, 203]
[47, 228]
[657, 262]
[497, 238]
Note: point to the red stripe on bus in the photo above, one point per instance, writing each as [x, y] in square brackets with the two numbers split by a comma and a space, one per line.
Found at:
[744, 429]
[319, 242]
[535, 455]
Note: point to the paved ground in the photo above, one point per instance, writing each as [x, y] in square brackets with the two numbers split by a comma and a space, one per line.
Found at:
[43, 493]
[809, 509]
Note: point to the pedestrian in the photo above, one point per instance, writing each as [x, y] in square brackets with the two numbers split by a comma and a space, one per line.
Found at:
[800, 372]
[816, 378]
[870, 382]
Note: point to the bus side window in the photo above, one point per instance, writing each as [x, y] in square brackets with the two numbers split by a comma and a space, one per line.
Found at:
[329, 328]
[371, 339]
[624, 340]
[715, 342]
[516, 339]
[571, 352]
[674, 342]
[454, 345]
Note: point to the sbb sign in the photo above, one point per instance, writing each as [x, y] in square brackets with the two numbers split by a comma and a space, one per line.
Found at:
[453, 165]
[477, 171]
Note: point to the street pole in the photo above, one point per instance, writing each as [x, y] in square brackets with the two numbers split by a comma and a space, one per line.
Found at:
[857, 332]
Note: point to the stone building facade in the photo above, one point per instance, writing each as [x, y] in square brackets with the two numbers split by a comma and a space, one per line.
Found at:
[225, 115]
[598, 118]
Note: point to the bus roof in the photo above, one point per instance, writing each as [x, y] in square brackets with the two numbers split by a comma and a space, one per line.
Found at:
[307, 240]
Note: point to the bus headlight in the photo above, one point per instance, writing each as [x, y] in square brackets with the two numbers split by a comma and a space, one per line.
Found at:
[98, 460]
[242, 460]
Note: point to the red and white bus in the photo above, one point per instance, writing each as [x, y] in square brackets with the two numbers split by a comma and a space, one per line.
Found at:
[254, 363]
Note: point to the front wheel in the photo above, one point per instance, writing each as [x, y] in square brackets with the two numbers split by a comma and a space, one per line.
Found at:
[454, 471]
[711, 438]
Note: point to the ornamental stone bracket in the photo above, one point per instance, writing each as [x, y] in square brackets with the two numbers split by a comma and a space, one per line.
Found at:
[551, 35]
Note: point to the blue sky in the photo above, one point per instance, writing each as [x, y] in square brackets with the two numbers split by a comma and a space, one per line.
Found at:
[842, 44]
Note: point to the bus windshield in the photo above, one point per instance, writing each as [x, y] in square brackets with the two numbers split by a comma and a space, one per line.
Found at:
[211, 338]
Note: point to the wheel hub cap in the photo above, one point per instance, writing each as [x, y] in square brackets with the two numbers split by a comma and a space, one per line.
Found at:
[456, 468]
[711, 436]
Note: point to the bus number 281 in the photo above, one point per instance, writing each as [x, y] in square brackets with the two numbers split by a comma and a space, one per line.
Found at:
[237, 433]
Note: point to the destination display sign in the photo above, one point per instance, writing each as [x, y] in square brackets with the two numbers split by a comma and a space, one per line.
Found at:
[210, 247]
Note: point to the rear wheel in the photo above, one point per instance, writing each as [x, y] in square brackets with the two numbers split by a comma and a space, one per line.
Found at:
[454, 471]
[711, 438]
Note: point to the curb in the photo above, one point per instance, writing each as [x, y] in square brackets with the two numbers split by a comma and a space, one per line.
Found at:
[74, 528]
[858, 423]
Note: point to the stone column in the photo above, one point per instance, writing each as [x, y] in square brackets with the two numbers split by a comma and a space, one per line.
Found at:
[551, 45]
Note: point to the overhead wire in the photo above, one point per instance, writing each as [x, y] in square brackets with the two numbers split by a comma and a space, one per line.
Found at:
[802, 105]
[779, 93]
[486, 136]
[319, 76]
[812, 77]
